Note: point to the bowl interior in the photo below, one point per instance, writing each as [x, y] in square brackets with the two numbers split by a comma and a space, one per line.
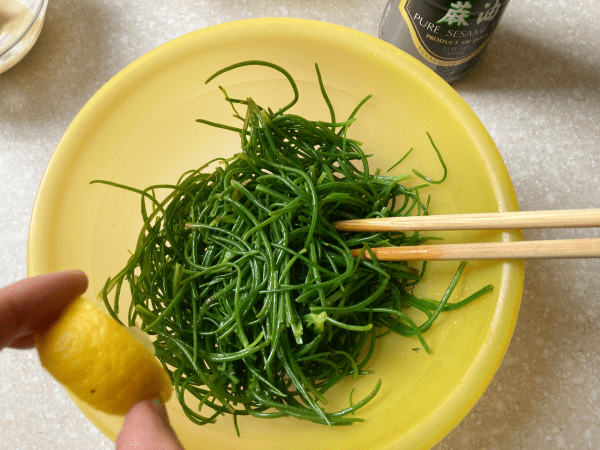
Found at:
[140, 129]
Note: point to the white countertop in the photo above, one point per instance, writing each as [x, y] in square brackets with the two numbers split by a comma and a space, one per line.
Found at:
[537, 90]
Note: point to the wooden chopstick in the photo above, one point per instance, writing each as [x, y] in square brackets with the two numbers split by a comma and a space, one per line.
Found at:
[573, 218]
[558, 248]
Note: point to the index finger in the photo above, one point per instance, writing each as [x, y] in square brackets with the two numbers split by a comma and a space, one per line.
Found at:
[30, 304]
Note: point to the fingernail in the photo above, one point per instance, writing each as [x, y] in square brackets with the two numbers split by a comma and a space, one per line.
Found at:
[159, 408]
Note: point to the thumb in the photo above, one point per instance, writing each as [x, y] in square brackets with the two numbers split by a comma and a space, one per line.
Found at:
[147, 427]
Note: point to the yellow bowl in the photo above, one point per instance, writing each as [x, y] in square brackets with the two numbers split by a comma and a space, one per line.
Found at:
[140, 129]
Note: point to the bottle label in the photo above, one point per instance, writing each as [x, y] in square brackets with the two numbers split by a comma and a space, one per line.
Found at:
[449, 33]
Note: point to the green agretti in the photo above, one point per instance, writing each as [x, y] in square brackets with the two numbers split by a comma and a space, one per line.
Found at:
[257, 305]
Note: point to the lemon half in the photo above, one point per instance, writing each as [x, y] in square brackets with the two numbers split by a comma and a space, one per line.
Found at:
[100, 361]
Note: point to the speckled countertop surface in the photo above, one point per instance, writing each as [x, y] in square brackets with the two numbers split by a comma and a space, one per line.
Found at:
[537, 90]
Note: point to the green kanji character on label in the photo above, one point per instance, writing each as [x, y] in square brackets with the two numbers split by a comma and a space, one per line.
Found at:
[490, 13]
[457, 14]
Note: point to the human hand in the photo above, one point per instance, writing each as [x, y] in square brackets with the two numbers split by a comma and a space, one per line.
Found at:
[31, 304]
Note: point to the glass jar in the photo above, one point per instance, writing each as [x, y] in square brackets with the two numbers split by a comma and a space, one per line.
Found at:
[20, 25]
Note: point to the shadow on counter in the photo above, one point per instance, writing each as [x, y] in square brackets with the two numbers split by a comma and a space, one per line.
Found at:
[64, 68]
[513, 61]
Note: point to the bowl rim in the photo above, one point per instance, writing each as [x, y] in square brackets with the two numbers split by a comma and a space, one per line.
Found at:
[489, 358]
[39, 9]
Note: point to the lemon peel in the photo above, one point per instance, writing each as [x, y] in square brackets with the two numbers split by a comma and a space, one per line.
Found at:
[100, 361]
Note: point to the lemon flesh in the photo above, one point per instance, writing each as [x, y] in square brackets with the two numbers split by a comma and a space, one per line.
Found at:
[100, 361]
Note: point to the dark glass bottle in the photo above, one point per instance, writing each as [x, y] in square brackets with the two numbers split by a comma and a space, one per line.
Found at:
[446, 35]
